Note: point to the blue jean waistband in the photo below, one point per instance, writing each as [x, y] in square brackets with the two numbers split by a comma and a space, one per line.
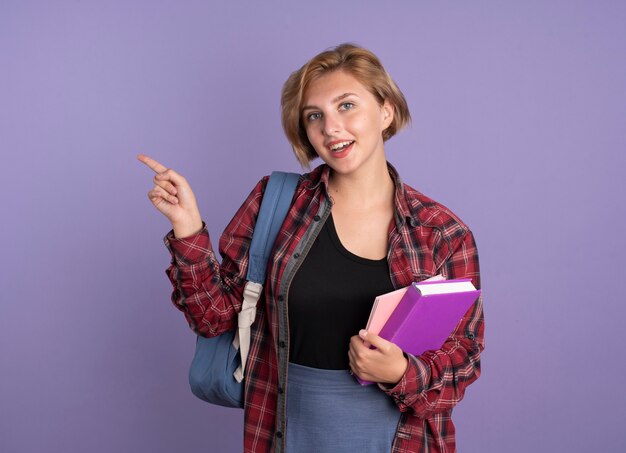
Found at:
[320, 378]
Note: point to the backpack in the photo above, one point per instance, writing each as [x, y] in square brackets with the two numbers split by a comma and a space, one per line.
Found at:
[217, 369]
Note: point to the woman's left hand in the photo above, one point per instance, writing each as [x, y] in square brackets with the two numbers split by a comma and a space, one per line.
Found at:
[385, 364]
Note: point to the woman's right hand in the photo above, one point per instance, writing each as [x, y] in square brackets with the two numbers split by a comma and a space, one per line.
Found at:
[173, 197]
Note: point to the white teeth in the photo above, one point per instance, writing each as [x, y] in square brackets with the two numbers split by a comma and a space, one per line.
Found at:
[341, 145]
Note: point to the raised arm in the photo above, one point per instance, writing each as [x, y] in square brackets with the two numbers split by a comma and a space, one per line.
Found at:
[209, 293]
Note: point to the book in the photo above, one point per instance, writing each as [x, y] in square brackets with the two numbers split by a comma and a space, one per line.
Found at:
[427, 313]
[385, 304]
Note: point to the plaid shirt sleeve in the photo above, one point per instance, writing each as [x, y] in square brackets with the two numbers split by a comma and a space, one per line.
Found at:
[436, 380]
[208, 293]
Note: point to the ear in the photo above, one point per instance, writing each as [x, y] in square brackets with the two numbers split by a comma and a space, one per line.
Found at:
[388, 112]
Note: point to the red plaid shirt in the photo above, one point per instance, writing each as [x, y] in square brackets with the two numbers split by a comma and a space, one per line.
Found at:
[425, 239]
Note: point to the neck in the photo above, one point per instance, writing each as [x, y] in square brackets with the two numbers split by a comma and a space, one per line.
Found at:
[364, 189]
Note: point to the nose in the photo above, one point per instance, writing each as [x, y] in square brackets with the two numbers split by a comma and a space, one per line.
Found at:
[331, 125]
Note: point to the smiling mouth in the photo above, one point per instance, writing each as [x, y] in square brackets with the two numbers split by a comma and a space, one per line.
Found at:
[338, 147]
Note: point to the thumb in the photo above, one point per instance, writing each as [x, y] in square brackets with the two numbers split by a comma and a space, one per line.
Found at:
[376, 341]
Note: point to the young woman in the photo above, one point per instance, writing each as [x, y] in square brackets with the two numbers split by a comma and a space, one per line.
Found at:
[354, 231]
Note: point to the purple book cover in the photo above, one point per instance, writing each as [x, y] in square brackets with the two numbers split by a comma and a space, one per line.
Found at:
[423, 322]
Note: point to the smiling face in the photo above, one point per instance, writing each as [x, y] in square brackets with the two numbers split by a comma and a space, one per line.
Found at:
[344, 122]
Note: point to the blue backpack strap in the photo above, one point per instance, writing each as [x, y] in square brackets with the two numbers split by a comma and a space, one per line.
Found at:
[274, 207]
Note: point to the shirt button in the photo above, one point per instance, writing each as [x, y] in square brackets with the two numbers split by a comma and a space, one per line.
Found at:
[281, 298]
[279, 435]
[296, 255]
[280, 390]
[282, 344]
[316, 218]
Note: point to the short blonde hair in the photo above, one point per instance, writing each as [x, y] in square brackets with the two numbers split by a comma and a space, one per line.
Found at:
[360, 63]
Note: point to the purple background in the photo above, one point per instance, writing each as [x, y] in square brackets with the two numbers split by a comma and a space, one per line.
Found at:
[519, 126]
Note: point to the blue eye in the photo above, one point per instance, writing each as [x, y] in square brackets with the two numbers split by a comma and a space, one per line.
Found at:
[313, 116]
[346, 106]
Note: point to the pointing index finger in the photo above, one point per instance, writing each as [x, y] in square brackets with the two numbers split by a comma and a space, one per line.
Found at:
[152, 164]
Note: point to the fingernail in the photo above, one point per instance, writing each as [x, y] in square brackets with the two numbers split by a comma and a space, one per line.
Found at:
[362, 333]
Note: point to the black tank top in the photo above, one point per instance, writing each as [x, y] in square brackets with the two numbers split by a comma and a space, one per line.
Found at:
[330, 299]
